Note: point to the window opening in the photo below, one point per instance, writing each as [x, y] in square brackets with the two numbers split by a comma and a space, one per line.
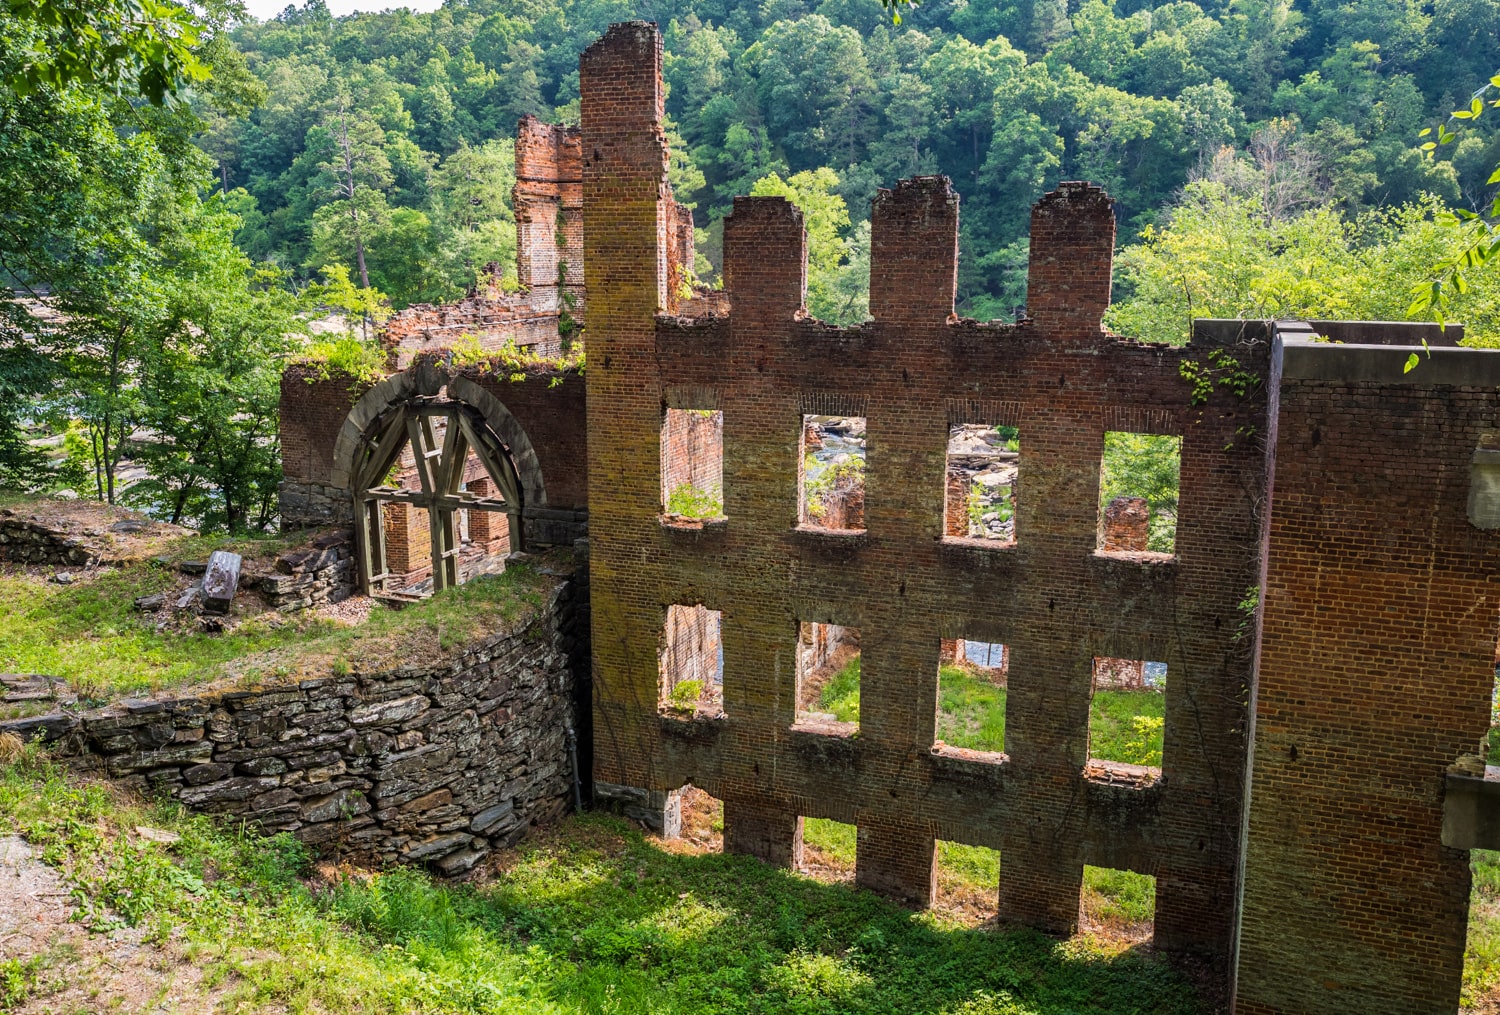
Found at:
[829, 849]
[828, 664]
[1138, 484]
[968, 878]
[971, 695]
[692, 464]
[1118, 904]
[984, 464]
[1127, 716]
[691, 658]
[833, 473]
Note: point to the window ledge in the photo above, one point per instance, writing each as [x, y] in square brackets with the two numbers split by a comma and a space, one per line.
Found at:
[1147, 557]
[1117, 773]
[686, 524]
[948, 751]
[826, 728]
[976, 543]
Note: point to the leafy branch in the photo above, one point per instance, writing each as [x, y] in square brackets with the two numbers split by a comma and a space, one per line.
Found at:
[1479, 234]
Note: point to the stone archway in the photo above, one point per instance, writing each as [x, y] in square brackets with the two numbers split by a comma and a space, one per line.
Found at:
[442, 418]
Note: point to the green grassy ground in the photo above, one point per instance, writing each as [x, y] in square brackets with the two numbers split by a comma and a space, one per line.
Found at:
[89, 633]
[591, 917]
[1482, 959]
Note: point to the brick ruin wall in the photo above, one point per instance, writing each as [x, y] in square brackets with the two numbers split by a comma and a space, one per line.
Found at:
[1053, 600]
[1058, 598]
[547, 199]
[548, 203]
[434, 764]
[548, 406]
[1380, 619]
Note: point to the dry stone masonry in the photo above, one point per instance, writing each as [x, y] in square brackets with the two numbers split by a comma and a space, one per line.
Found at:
[436, 765]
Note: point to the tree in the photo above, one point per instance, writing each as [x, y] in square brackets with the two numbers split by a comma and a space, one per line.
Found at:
[359, 172]
[1477, 238]
[148, 47]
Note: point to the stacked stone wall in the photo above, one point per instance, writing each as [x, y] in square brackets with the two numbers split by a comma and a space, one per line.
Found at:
[28, 542]
[434, 764]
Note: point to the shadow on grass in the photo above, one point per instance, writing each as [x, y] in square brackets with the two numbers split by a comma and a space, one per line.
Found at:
[625, 926]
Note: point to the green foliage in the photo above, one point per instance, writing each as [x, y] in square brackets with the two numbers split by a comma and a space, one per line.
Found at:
[1126, 726]
[1478, 234]
[1120, 894]
[685, 693]
[687, 501]
[597, 918]
[837, 476]
[840, 695]
[1224, 254]
[1482, 952]
[349, 355]
[146, 46]
[1149, 466]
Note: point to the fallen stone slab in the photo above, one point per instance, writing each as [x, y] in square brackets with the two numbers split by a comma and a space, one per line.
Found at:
[221, 580]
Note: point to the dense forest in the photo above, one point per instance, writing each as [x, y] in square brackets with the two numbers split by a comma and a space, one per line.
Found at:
[1292, 106]
[181, 189]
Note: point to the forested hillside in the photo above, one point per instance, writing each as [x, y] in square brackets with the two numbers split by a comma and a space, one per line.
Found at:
[1320, 101]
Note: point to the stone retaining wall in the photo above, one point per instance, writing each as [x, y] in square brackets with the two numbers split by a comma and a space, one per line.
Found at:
[30, 543]
[434, 765]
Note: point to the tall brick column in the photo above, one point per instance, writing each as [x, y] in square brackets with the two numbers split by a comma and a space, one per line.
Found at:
[625, 270]
[1051, 674]
[1376, 670]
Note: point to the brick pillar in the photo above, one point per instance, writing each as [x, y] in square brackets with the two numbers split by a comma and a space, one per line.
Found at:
[768, 833]
[408, 541]
[1072, 255]
[956, 518]
[896, 859]
[488, 527]
[625, 189]
[1127, 525]
[1375, 675]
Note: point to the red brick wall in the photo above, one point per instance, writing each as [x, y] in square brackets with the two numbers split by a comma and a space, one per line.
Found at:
[1051, 598]
[1376, 667]
[692, 451]
[312, 411]
[548, 202]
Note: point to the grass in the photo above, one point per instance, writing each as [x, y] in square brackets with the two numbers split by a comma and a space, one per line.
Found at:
[1482, 953]
[89, 633]
[591, 917]
[971, 711]
[841, 694]
[1109, 896]
[1126, 726]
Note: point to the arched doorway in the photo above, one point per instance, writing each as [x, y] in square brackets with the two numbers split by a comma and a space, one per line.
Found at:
[426, 443]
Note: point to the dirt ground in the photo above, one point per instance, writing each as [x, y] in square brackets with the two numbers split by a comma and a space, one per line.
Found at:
[73, 970]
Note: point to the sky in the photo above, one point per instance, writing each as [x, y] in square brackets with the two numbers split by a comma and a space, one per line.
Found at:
[263, 9]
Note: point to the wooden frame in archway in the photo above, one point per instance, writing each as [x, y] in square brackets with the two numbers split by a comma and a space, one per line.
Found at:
[440, 453]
